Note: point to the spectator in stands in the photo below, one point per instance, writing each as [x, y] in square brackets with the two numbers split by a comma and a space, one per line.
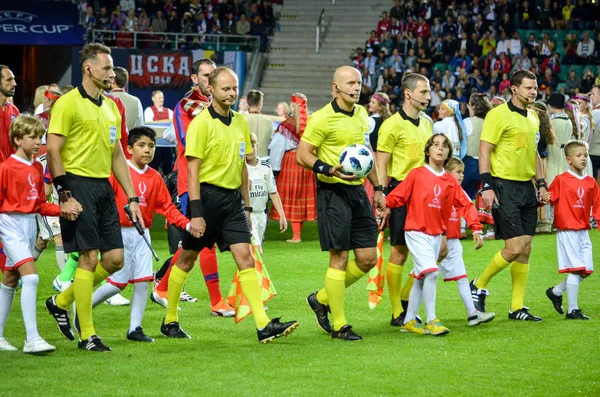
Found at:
[553, 63]
[557, 20]
[195, 7]
[488, 64]
[395, 81]
[515, 46]
[506, 25]
[532, 45]
[143, 21]
[503, 64]
[437, 51]
[395, 61]
[423, 61]
[201, 24]
[488, 11]
[152, 7]
[524, 13]
[395, 27]
[587, 82]
[131, 21]
[487, 44]
[523, 61]
[503, 44]
[127, 5]
[228, 24]
[124, 38]
[449, 27]
[478, 81]
[448, 81]
[543, 15]
[436, 28]
[398, 11]
[573, 81]
[384, 24]
[422, 29]
[547, 80]
[380, 64]
[267, 16]
[585, 49]
[494, 79]
[546, 46]
[473, 48]
[437, 76]
[159, 22]
[411, 60]
[437, 96]
[103, 19]
[387, 44]
[373, 41]
[242, 27]
[461, 59]
[382, 80]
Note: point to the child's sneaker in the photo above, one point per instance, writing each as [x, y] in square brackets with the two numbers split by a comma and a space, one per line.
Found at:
[5, 346]
[117, 300]
[38, 345]
[435, 328]
[480, 318]
[414, 327]
[60, 286]
[222, 309]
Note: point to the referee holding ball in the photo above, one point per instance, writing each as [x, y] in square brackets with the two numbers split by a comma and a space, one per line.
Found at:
[345, 216]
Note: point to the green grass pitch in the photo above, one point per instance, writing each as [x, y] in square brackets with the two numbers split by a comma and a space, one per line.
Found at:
[552, 358]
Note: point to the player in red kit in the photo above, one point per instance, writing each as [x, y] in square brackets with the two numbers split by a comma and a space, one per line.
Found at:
[574, 195]
[21, 197]
[430, 195]
[154, 197]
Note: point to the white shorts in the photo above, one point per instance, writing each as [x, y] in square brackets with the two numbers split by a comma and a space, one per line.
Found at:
[137, 267]
[574, 251]
[452, 267]
[18, 233]
[425, 250]
[259, 225]
[49, 226]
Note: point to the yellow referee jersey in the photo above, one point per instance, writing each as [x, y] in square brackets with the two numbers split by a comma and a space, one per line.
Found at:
[92, 129]
[404, 138]
[515, 134]
[332, 130]
[221, 143]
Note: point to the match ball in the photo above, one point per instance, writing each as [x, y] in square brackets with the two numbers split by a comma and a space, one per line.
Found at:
[356, 160]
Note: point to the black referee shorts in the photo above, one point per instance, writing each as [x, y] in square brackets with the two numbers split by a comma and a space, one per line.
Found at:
[516, 214]
[226, 222]
[397, 219]
[97, 227]
[345, 217]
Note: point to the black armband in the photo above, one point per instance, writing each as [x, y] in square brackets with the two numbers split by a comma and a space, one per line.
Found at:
[321, 167]
[248, 209]
[378, 188]
[134, 199]
[196, 209]
[60, 183]
[486, 181]
[541, 183]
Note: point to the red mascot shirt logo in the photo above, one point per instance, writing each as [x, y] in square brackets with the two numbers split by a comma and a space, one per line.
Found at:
[160, 70]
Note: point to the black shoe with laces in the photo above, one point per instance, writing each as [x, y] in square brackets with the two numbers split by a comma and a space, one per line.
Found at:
[576, 314]
[276, 329]
[399, 321]
[321, 311]
[173, 330]
[556, 300]
[523, 315]
[138, 335]
[478, 295]
[93, 344]
[346, 333]
[61, 316]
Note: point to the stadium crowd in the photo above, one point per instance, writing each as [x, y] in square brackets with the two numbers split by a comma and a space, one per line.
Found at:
[473, 46]
[157, 18]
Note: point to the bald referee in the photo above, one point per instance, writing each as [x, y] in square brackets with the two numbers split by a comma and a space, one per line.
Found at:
[83, 147]
[345, 216]
[218, 140]
[508, 161]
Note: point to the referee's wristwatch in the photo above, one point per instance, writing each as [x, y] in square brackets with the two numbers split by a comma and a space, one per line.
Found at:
[248, 209]
[64, 196]
[133, 199]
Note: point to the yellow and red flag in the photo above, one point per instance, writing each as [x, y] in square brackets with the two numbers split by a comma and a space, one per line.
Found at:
[376, 278]
[236, 297]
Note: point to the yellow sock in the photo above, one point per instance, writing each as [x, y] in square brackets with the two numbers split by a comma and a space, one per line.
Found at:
[497, 264]
[100, 274]
[65, 298]
[353, 274]
[177, 279]
[405, 293]
[519, 273]
[83, 287]
[251, 289]
[393, 275]
[335, 284]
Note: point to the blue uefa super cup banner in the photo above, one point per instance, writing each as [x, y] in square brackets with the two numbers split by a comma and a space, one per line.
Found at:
[40, 22]
[165, 70]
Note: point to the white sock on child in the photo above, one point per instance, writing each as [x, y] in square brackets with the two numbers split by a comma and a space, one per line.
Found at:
[28, 301]
[7, 295]
[573, 281]
[138, 305]
[429, 294]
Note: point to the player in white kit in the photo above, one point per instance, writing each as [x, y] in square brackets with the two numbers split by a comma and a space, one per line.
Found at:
[261, 183]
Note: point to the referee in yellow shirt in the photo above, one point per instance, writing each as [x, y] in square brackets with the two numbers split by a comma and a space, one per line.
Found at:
[218, 140]
[401, 148]
[83, 147]
[508, 160]
[345, 216]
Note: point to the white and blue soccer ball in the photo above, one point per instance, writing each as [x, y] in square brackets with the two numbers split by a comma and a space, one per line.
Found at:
[357, 160]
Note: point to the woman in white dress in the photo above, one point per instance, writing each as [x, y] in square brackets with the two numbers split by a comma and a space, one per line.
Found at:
[452, 125]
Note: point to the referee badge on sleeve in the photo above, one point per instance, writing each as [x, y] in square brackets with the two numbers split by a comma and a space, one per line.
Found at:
[112, 134]
[242, 150]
